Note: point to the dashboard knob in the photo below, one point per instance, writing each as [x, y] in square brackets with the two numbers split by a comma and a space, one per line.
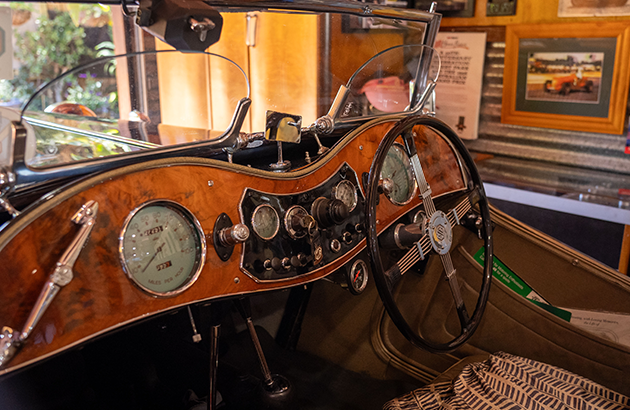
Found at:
[298, 223]
[276, 264]
[385, 186]
[347, 237]
[286, 263]
[302, 258]
[335, 245]
[234, 234]
[329, 212]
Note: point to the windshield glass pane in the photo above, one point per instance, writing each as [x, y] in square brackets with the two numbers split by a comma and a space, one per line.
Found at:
[98, 109]
[388, 82]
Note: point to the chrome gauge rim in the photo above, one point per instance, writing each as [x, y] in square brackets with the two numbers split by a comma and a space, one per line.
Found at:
[294, 210]
[194, 227]
[343, 187]
[257, 226]
[407, 164]
[359, 264]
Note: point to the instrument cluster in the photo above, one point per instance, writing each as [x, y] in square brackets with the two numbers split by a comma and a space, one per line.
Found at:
[297, 233]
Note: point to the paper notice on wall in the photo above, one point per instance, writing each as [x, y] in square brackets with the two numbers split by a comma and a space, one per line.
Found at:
[458, 90]
[6, 48]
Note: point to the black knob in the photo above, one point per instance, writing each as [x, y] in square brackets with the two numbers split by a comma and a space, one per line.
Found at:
[295, 262]
[347, 237]
[329, 212]
[359, 228]
[302, 258]
[276, 264]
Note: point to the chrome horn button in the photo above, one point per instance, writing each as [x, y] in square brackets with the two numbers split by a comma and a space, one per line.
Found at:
[440, 233]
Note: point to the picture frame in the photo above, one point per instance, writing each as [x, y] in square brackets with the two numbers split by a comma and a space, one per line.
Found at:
[449, 8]
[567, 76]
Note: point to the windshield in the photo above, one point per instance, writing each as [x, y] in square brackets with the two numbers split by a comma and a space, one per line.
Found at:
[392, 81]
[286, 61]
[99, 109]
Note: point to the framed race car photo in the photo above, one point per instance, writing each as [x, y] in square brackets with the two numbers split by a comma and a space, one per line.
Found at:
[572, 76]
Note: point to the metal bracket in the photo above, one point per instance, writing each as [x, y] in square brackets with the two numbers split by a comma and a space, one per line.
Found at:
[10, 342]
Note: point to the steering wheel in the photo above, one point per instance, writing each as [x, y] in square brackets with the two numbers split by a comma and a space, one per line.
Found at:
[435, 240]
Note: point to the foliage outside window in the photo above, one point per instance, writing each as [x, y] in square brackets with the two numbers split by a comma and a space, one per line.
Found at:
[64, 38]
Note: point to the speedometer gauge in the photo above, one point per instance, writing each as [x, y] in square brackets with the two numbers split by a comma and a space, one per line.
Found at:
[162, 248]
[397, 168]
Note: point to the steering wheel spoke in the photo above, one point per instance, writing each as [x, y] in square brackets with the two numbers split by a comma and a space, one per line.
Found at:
[416, 253]
[451, 276]
[436, 231]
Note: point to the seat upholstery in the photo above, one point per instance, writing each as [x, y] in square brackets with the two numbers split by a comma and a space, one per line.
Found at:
[505, 381]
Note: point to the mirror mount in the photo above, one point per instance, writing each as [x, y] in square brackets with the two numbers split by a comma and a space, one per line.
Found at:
[189, 26]
[281, 128]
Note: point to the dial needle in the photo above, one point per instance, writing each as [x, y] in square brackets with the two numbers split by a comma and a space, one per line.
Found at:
[158, 250]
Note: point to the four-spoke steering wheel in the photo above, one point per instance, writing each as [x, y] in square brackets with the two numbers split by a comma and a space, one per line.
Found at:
[436, 239]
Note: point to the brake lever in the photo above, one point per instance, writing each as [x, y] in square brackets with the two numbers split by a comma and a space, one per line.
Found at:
[10, 342]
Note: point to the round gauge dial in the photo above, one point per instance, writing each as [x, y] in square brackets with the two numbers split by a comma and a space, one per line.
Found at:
[162, 248]
[265, 221]
[357, 277]
[397, 168]
[346, 192]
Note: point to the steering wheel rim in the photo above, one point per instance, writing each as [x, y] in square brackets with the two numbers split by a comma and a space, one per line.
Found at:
[384, 280]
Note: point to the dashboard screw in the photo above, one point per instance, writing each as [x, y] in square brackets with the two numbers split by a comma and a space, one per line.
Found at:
[210, 183]
[237, 280]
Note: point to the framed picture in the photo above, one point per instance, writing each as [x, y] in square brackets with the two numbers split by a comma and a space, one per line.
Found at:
[592, 8]
[501, 8]
[449, 8]
[567, 76]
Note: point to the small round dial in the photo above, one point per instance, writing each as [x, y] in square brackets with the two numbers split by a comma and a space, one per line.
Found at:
[346, 192]
[162, 248]
[397, 168]
[265, 221]
[357, 278]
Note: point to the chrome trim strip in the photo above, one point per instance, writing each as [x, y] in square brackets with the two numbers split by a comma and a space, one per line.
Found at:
[102, 135]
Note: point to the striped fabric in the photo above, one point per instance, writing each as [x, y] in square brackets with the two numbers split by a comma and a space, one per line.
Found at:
[507, 382]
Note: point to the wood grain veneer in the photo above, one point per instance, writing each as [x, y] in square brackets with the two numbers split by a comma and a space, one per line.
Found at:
[101, 298]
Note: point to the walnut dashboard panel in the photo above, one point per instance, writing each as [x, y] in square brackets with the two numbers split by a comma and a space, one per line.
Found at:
[101, 297]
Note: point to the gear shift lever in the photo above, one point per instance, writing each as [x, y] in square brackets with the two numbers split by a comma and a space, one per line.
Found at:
[276, 388]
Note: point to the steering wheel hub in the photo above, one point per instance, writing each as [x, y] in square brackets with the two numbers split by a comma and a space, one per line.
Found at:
[440, 233]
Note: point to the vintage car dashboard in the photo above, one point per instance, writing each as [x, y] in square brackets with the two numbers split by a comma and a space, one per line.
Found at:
[170, 232]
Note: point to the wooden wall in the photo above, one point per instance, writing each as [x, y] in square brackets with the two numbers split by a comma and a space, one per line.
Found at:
[527, 11]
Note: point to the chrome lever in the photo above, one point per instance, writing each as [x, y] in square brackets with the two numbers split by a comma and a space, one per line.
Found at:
[10, 342]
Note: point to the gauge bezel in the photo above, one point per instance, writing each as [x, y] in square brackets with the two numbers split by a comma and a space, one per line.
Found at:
[200, 254]
[287, 222]
[354, 189]
[354, 290]
[414, 191]
[255, 229]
